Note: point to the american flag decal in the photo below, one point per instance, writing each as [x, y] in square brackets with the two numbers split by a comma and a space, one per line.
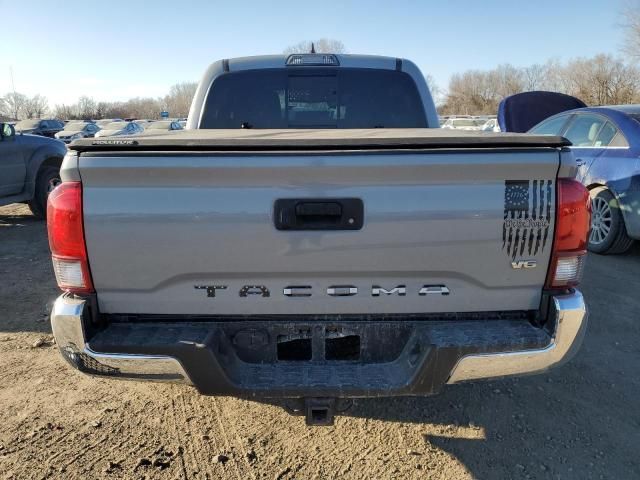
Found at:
[527, 216]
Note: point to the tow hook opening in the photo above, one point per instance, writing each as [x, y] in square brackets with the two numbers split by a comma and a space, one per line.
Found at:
[320, 411]
[340, 344]
[296, 347]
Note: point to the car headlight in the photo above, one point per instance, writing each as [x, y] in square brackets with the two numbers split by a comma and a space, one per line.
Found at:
[75, 136]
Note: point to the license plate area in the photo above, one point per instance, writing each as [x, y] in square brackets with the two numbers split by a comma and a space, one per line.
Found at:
[320, 343]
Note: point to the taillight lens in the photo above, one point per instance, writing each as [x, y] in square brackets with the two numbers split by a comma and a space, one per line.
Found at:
[66, 238]
[573, 220]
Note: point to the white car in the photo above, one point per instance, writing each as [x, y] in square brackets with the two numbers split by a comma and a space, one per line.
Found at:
[144, 122]
[106, 121]
[75, 130]
[120, 128]
[162, 126]
[463, 123]
[491, 125]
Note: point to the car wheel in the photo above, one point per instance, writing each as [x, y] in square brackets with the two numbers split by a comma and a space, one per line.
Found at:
[608, 233]
[48, 179]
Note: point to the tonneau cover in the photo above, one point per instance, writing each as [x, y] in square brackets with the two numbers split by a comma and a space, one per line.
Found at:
[321, 139]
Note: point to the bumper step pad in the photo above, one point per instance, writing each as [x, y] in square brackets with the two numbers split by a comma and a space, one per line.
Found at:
[395, 358]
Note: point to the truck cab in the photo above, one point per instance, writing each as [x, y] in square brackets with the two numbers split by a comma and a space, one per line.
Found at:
[319, 91]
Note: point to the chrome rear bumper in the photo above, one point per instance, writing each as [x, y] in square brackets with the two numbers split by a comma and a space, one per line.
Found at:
[567, 324]
[570, 324]
[68, 324]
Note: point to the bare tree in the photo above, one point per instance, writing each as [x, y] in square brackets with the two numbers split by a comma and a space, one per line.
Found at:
[36, 106]
[509, 80]
[143, 107]
[178, 100]
[602, 80]
[65, 112]
[86, 108]
[4, 111]
[101, 110]
[630, 14]
[475, 92]
[436, 91]
[322, 45]
[14, 104]
[555, 78]
[534, 77]
[114, 110]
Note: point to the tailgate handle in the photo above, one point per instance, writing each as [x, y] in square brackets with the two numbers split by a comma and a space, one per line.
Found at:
[319, 209]
[318, 214]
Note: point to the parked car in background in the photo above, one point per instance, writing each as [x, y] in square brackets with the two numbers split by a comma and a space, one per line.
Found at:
[106, 121]
[29, 168]
[162, 126]
[463, 123]
[77, 129]
[40, 126]
[120, 128]
[491, 125]
[606, 145]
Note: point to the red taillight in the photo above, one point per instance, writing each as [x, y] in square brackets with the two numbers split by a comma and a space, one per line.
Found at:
[573, 219]
[66, 238]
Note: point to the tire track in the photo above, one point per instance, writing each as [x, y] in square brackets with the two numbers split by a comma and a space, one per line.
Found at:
[111, 449]
[197, 445]
[220, 417]
[83, 451]
[213, 446]
[178, 436]
[58, 440]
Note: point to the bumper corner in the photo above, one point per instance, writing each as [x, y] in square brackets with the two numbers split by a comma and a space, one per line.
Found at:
[569, 319]
[68, 322]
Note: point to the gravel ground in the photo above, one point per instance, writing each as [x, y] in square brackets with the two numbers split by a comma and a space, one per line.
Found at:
[580, 421]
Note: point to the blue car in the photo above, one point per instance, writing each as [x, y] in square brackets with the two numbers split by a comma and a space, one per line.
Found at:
[606, 146]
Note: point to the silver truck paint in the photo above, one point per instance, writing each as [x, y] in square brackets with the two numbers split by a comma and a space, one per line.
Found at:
[158, 225]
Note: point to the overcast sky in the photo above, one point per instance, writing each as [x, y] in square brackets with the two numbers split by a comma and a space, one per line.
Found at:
[114, 50]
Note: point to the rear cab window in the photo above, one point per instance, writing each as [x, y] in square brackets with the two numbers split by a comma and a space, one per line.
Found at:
[314, 98]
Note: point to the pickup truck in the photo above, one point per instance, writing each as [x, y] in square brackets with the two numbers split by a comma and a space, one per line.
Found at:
[313, 237]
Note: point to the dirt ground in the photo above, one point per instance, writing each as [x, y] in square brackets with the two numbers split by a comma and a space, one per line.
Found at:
[580, 421]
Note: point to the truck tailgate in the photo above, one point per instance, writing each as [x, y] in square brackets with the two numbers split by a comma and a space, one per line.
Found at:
[443, 231]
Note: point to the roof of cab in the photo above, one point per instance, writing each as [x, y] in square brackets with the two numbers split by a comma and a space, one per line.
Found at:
[279, 61]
